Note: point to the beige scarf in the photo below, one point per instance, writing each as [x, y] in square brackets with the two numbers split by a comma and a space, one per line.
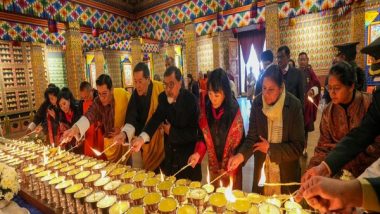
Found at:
[275, 124]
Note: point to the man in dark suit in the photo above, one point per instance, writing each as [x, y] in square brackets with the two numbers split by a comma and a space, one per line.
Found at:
[177, 113]
[356, 141]
[293, 78]
[347, 52]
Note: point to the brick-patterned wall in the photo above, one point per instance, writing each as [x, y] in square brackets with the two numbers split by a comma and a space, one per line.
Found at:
[316, 34]
[205, 53]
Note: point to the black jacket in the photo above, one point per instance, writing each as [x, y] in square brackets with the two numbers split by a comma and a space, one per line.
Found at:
[180, 143]
[286, 153]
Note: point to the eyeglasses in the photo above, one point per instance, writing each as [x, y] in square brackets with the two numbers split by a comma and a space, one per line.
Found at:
[169, 85]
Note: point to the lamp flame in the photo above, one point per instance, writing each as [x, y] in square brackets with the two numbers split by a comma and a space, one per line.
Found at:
[310, 99]
[45, 159]
[103, 173]
[161, 175]
[228, 193]
[96, 152]
[263, 178]
[220, 183]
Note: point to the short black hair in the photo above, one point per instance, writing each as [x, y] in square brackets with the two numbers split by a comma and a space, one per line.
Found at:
[190, 76]
[104, 79]
[285, 49]
[302, 53]
[172, 69]
[267, 56]
[142, 66]
[84, 85]
[274, 73]
[52, 89]
[344, 72]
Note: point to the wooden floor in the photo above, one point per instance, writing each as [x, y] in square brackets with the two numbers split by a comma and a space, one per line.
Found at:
[245, 108]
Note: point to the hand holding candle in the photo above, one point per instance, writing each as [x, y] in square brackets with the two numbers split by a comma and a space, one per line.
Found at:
[319, 194]
[137, 144]
[194, 159]
[235, 161]
[69, 134]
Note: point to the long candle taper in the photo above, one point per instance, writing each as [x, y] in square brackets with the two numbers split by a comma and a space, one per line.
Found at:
[217, 178]
[97, 153]
[183, 168]
[122, 157]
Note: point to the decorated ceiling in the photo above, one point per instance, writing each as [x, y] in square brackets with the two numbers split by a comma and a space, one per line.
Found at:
[118, 25]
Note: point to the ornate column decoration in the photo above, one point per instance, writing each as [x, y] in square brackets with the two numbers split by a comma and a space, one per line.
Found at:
[40, 81]
[99, 61]
[358, 29]
[170, 50]
[112, 58]
[136, 51]
[272, 30]
[74, 57]
[191, 49]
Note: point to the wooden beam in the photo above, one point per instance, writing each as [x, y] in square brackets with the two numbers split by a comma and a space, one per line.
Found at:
[18, 18]
[105, 7]
[177, 26]
[160, 7]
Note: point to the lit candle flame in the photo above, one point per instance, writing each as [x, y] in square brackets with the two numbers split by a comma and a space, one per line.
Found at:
[310, 99]
[220, 183]
[208, 176]
[161, 175]
[45, 159]
[103, 173]
[263, 178]
[228, 193]
[96, 152]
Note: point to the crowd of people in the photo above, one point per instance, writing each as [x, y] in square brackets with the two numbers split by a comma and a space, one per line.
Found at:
[174, 124]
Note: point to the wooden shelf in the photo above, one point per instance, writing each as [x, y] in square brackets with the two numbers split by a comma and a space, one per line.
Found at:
[16, 81]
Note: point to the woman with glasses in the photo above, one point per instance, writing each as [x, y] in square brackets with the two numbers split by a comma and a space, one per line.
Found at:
[343, 113]
[275, 136]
